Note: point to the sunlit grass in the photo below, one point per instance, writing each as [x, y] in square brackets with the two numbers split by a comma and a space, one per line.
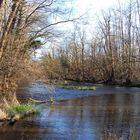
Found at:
[78, 88]
[23, 108]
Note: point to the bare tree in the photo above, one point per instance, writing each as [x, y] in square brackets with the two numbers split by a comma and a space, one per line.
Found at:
[24, 24]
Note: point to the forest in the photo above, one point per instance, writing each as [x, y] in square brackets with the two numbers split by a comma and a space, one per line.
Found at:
[110, 54]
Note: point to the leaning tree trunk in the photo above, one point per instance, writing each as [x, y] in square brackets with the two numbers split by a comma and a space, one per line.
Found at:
[7, 95]
[11, 17]
[6, 102]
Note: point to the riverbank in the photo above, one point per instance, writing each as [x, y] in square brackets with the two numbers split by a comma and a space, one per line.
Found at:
[15, 113]
[92, 83]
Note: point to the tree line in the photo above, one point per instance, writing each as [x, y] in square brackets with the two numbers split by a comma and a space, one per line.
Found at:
[111, 56]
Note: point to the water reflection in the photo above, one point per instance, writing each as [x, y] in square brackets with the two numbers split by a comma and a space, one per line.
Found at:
[103, 117]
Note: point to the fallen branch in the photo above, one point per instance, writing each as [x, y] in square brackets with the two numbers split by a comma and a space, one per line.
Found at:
[41, 101]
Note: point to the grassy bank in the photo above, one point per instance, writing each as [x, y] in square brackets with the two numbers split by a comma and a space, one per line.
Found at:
[78, 88]
[22, 108]
[17, 112]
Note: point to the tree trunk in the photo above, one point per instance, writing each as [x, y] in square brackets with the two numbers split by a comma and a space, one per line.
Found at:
[1, 1]
[8, 26]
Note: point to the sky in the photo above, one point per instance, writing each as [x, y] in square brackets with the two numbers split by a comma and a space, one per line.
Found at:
[95, 5]
[93, 8]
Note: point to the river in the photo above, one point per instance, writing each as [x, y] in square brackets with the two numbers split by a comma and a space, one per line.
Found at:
[108, 113]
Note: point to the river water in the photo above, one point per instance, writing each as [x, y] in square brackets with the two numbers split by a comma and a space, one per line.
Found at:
[108, 113]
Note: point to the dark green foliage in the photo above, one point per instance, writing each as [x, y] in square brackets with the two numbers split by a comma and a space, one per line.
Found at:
[36, 44]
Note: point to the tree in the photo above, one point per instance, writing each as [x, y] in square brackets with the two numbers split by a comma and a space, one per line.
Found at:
[24, 25]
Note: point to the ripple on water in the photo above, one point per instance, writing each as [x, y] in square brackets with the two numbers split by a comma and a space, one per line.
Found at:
[91, 115]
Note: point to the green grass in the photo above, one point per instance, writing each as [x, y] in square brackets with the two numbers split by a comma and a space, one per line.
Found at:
[78, 88]
[133, 136]
[23, 108]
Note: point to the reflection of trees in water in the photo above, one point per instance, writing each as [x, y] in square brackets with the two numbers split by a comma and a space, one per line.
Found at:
[105, 117]
[119, 117]
[23, 91]
[108, 117]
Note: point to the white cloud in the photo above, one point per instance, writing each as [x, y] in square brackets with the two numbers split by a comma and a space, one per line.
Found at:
[95, 5]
